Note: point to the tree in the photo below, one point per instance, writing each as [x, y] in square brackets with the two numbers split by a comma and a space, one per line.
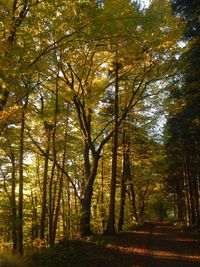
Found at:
[126, 175]
[185, 120]
[75, 63]
[21, 179]
[110, 228]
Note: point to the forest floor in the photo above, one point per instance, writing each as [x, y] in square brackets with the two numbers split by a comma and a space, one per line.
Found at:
[158, 244]
[155, 245]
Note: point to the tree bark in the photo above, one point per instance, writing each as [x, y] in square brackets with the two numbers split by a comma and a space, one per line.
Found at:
[21, 180]
[102, 193]
[110, 228]
[44, 184]
[133, 202]
[125, 159]
[85, 227]
[60, 190]
[14, 206]
[35, 225]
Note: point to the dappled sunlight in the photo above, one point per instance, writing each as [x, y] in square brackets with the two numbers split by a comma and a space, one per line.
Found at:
[173, 255]
[165, 236]
[155, 253]
[186, 239]
[135, 250]
[159, 245]
[146, 233]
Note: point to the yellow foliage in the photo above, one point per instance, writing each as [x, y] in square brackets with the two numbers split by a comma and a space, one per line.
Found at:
[10, 115]
[39, 243]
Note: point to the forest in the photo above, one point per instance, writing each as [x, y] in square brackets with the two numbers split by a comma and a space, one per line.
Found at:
[99, 118]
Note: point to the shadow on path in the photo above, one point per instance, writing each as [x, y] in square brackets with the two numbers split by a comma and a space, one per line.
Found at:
[157, 245]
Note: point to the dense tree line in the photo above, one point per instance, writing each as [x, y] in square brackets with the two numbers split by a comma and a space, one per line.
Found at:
[183, 144]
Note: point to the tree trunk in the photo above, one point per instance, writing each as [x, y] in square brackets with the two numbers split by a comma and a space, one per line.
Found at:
[44, 185]
[60, 190]
[35, 226]
[51, 204]
[85, 228]
[197, 167]
[125, 159]
[102, 194]
[51, 199]
[86, 214]
[122, 203]
[133, 202]
[110, 228]
[14, 206]
[21, 181]
[66, 212]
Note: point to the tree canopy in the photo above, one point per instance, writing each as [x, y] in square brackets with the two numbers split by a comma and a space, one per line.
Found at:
[84, 86]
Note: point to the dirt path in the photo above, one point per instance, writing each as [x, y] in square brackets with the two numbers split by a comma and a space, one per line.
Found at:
[169, 247]
[155, 245]
[158, 245]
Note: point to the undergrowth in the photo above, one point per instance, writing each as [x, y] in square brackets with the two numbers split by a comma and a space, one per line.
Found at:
[69, 254]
